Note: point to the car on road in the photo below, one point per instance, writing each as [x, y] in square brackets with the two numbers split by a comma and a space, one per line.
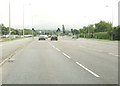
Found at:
[54, 37]
[43, 37]
[49, 36]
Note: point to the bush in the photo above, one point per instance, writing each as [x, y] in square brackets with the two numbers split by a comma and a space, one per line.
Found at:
[81, 35]
[116, 33]
[101, 35]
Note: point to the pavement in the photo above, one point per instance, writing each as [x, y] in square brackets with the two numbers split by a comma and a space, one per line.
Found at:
[66, 61]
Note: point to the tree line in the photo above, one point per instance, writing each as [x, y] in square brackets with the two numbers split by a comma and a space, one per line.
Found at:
[101, 30]
[5, 31]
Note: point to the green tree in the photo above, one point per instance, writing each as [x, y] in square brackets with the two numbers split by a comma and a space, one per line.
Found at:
[4, 30]
[27, 31]
[72, 31]
[102, 26]
[115, 33]
[91, 30]
[85, 31]
[76, 31]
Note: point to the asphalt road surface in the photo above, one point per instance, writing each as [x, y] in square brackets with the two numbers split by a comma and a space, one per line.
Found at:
[9, 48]
[66, 61]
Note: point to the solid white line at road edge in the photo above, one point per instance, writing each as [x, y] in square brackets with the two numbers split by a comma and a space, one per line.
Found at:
[87, 69]
[66, 55]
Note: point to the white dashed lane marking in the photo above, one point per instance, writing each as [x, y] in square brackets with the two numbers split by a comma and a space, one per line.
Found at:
[116, 55]
[53, 46]
[50, 44]
[66, 55]
[76, 62]
[3, 61]
[113, 54]
[57, 49]
[87, 69]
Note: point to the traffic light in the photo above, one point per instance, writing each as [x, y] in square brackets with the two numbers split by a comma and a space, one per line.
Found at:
[33, 29]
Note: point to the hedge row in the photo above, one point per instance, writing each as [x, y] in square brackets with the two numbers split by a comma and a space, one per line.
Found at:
[97, 35]
[101, 35]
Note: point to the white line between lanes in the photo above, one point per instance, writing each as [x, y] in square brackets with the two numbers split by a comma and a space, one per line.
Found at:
[116, 55]
[3, 61]
[110, 53]
[50, 44]
[81, 46]
[57, 49]
[113, 54]
[66, 55]
[87, 69]
[53, 46]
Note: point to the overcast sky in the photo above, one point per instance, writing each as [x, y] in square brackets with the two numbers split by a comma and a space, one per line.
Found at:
[51, 14]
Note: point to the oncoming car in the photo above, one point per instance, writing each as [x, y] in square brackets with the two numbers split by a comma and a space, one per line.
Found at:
[54, 37]
[42, 37]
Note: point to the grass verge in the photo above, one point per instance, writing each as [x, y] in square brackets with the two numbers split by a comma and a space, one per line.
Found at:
[9, 39]
[106, 40]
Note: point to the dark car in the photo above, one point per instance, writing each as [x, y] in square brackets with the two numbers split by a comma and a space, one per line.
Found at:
[54, 37]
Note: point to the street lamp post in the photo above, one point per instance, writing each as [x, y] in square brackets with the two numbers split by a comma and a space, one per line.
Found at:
[9, 18]
[112, 13]
[23, 20]
[88, 25]
[88, 31]
[112, 18]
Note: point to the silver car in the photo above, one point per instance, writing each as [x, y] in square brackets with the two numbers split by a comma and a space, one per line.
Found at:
[43, 37]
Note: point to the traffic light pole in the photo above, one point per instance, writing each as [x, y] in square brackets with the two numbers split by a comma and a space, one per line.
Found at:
[32, 32]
